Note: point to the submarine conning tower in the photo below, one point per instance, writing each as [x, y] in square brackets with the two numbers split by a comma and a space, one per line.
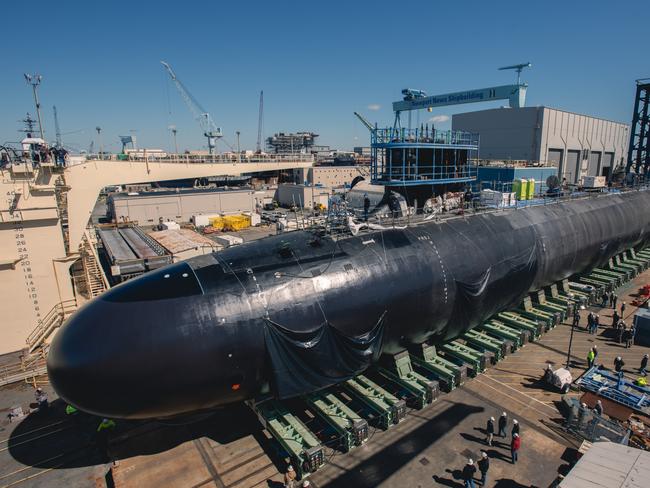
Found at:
[423, 162]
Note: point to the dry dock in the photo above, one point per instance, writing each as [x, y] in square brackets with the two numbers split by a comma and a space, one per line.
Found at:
[230, 448]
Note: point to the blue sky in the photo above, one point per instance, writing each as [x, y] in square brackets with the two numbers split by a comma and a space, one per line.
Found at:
[317, 62]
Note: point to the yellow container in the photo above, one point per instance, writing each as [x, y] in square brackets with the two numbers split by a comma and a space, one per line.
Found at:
[236, 222]
[530, 194]
[217, 222]
[520, 188]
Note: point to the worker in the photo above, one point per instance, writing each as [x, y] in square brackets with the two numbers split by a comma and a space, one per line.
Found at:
[468, 474]
[596, 323]
[590, 321]
[598, 408]
[515, 428]
[515, 445]
[503, 423]
[620, 331]
[618, 364]
[103, 429]
[644, 365]
[289, 477]
[613, 299]
[590, 358]
[490, 431]
[41, 400]
[306, 484]
[576, 318]
[628, 336]
[483, 467]
[595, 349]
[623, 309]
[366, 206]
[615, 319]
[603, 302]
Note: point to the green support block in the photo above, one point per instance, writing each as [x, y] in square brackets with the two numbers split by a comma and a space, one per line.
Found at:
[464, 354]
[413, 383]
[500, 330]
[485, 343]
[305, 451]
[388, 408]
[450, 374]
[350, 427]
[516, 320]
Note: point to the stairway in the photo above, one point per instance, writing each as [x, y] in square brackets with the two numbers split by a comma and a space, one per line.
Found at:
[61, 193]
[48, 324]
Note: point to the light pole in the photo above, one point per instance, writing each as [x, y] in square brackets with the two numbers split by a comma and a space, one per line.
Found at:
[238, 148]
[99, 140]
[35, 80]
[576, 311]
[174, 131]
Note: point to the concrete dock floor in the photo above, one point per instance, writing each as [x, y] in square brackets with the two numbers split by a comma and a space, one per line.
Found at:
[230, 448]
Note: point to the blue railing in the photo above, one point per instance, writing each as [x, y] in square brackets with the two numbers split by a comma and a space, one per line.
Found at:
[393, 135]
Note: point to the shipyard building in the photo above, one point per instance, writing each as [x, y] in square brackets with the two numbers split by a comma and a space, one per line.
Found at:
[577, 145]
[180, 206]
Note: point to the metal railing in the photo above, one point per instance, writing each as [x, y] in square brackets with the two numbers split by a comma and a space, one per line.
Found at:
[53, 319]
[226, 158]
[392, 135]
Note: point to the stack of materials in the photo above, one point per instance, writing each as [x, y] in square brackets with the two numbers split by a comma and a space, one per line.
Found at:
[497, 199]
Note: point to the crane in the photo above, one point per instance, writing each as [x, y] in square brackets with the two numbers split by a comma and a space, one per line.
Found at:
[210, 130]
[57, 128]
[364, 121]
[518, 68]
[260, 123]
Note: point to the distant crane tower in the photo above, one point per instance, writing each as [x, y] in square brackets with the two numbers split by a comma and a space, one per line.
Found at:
[57, 128]
[518, 68]
[210, 130]
[260, 123]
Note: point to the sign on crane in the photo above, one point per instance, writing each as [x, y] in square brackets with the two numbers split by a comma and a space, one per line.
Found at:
[210, 130]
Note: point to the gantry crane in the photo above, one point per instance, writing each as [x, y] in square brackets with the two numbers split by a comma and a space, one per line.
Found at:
[210, 130]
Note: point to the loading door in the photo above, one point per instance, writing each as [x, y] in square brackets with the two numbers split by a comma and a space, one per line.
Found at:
[572, 169]
[608, 163]
[555, 157]
[594, 163]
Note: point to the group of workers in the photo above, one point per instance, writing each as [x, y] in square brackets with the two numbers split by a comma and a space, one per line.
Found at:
[41, 153]
[483, 464]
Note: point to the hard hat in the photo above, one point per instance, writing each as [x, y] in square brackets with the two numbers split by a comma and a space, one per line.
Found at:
[492, 419]
[598, 402]
[305, 484]
[104, 420]
[484, 454]
[645, 355]
[470, 461]
[504, 414]
[290, 468]
[516, 435]
[39, 389]
[515, 421]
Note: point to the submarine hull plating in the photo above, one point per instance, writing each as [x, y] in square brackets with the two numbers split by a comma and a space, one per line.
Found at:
[298, 312]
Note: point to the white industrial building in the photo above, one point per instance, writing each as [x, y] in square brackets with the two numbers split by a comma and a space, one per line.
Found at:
[578, 145]
[148, 207]
[330, 176]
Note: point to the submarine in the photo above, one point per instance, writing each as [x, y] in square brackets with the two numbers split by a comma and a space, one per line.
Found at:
[298, 312]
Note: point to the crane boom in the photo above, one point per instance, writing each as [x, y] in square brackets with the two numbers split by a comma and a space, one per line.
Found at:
[56, 127]
[364, 121]
[203, 117]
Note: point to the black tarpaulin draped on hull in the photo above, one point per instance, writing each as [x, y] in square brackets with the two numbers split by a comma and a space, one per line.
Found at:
[302, 362]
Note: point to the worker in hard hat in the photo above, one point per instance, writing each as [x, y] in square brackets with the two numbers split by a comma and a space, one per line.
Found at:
[103, 429]
[41, 400]
[468, 474]
[598, 408]
[290, 477]
[644, 365]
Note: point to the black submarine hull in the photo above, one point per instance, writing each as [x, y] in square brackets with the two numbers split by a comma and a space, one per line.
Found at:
[298, 312]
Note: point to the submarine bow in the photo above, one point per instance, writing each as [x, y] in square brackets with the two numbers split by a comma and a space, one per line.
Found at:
[298, 312]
